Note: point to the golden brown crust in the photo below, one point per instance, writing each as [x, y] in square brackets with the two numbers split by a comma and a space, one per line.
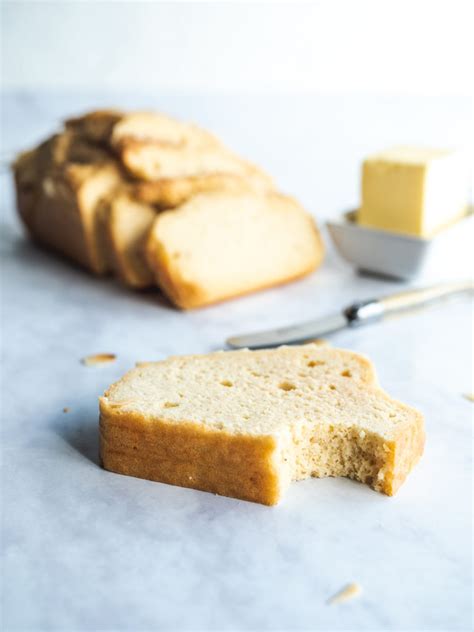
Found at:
[409, 447]
[189, 455]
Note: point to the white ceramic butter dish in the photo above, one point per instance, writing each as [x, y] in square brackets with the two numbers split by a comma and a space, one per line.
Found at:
[404, 257]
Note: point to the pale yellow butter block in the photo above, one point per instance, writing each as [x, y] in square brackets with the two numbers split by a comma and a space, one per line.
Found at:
[413, 190]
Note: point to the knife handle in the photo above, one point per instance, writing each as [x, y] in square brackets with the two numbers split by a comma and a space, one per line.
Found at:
[376, 309]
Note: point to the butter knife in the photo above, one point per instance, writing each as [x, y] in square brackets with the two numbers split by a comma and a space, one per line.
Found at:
[354, 315]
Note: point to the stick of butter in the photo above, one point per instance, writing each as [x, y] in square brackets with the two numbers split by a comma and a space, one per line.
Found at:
[413, 190]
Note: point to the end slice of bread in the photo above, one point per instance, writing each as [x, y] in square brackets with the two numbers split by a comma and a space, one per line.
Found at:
[245, 424]
[220, 245]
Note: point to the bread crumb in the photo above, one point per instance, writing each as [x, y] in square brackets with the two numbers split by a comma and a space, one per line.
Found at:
[469, 396]
[345, 594]
[66, 409]
[98, 359]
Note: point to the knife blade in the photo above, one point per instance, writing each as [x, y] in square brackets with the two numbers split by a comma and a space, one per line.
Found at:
[354, 315]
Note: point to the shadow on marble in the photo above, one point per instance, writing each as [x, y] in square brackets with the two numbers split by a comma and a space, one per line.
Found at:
[19, 249]
[80, 430]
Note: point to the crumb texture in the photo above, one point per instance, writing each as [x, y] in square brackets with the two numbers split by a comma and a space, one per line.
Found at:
[271, 239]
[317, 410]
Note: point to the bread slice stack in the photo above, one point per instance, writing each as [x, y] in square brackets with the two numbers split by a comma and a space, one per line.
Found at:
[159, 202]
[247, 423]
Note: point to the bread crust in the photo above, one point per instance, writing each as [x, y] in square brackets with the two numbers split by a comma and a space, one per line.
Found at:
[189, 455]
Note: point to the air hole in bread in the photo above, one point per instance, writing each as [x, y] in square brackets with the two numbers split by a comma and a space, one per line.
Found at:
[255, 373]
[226, 383]
[287, 386]
[346, 373]
[170, 405]
[313, 363]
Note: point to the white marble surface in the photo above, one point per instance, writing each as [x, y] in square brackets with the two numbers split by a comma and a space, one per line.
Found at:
[84, 549]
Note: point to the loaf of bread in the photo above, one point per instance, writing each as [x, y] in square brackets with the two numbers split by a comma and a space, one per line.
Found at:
[217, 245]
[95, 193]
[246, 423]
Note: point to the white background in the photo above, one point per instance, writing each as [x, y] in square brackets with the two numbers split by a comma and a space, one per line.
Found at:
[414, 47]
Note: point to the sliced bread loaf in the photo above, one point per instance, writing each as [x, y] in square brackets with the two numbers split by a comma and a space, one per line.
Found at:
[219, 245]
[245, 424]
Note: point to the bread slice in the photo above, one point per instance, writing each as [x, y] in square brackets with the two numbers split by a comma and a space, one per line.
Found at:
[246, 423]
[68, 216]
[168, 193]
[159, 128]
[128, 224]
[151, 161]
[219, 245]
[181, 158]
